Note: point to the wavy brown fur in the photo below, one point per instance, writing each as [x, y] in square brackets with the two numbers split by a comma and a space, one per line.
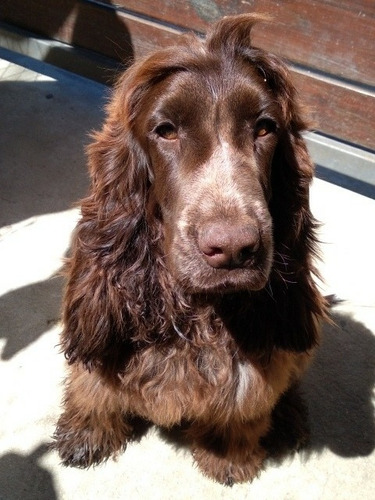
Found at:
[155, 325]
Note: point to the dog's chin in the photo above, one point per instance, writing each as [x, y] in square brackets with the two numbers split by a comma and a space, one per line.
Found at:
[225, 281]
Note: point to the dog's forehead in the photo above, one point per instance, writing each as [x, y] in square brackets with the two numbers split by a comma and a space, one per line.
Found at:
[198, 91]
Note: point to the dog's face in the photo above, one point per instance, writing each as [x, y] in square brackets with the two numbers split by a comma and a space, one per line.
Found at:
[210, 136]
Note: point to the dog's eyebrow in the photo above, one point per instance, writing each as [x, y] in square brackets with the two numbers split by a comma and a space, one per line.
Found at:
[267, 112]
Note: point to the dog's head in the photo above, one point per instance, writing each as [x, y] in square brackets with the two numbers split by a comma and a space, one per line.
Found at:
[220, 159]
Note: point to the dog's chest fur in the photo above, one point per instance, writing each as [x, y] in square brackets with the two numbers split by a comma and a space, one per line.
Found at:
[182, 383]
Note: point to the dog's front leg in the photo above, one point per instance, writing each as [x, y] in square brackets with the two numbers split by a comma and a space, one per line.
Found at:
[232, 454]
[94, 424]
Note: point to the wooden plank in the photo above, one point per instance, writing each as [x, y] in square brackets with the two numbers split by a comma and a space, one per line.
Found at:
[327, 35]
[337, 110]
[334, 36]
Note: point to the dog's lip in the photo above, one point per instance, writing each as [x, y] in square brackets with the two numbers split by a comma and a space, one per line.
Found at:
[230, 281]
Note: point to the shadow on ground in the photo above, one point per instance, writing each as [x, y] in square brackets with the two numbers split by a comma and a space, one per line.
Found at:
[339, 389]
[22, 477]
[28, 312]
[43, 165]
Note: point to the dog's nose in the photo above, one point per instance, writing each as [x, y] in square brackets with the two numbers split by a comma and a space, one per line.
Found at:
[226, 245]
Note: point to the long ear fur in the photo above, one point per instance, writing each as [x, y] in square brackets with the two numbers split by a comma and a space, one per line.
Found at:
[108, 241]
[111, 244]
[299, 302]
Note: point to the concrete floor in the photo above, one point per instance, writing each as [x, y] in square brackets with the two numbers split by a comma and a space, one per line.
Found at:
[44, 124]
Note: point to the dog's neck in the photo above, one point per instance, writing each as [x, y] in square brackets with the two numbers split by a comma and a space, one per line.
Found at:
[235, 316]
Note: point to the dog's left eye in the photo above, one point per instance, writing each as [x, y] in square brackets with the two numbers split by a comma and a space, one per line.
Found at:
[264, 127]
[167, 131]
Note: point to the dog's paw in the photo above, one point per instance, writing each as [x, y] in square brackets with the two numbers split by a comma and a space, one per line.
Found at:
[84, 448]
[229, 471]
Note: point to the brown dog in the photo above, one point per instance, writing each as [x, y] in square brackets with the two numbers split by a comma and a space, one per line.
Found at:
[190, 298]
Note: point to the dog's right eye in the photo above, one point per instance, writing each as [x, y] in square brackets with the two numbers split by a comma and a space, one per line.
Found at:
[167, 131]
[264, 127]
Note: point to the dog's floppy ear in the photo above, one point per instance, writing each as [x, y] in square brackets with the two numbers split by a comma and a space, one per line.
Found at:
[110, 246]
[299, 303]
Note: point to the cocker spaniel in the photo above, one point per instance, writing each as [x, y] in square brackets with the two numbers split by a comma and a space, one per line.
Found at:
[190, 300]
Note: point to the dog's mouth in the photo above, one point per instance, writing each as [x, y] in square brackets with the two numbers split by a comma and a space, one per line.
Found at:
[230, 281]
[200, 278]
